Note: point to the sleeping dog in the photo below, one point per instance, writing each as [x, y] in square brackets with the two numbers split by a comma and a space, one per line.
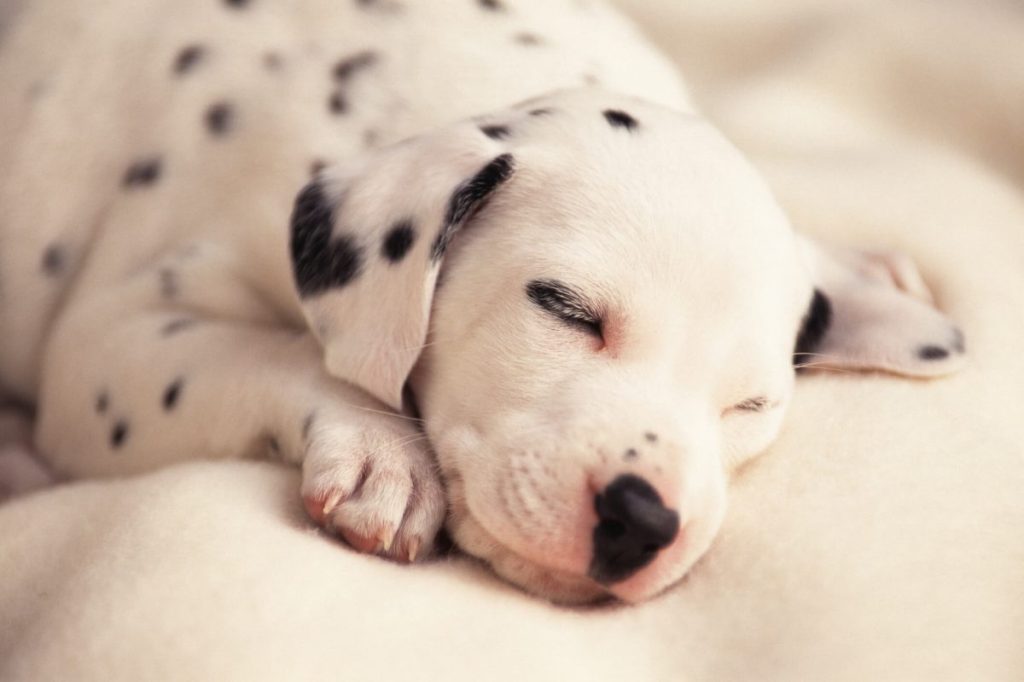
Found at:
[466, 262]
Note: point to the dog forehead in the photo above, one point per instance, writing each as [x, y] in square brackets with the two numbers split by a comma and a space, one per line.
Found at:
[661, 194]
[637, 164]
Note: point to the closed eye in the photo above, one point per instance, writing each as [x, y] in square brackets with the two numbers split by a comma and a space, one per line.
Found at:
[756, 404]
[566, 304]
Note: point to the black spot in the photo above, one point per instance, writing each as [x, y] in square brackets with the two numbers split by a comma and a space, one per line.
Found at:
[470, 197]
[188, 58]
[650, 437]
[102, 402]
[343, 71]
[543, 111]
[275, 446]
[530, 39]
[316, 166]
[815, 324]
[272, 61]
[141, 173]
[932, 353]
[119, 434]
[337, 104]
[54, 260]
[495, 132]
[307, 425]
[178, 325]
[349, 66]
[219, 118]
[172, 393]
[493, 5]
[320, 262]
[398, 241]
[620, 119]
[168, 283]
[237, 4]
[631, 453]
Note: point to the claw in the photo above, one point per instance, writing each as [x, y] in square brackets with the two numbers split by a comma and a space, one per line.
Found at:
[332, 502]
[359, 542]
[386, 538]
[414, 548]
[318, 507]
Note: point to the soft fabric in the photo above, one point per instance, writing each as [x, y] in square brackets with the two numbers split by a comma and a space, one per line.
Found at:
[879, 538]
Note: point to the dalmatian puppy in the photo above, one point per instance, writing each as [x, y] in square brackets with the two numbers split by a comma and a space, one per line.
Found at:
[474, 262]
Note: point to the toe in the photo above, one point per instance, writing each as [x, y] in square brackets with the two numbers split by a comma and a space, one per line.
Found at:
[360, 542]
[423, 519]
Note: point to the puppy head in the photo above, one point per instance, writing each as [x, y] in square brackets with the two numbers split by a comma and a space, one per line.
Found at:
[596, 303]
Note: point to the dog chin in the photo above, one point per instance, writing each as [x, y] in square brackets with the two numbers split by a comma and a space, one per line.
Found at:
[560, 587]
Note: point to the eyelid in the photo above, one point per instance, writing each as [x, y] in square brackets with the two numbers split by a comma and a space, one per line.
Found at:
[563, 302]
[756, 404]
[559, 299]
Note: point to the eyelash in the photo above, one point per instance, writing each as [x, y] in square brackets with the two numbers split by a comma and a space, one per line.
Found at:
[758, 404]
[561, 302]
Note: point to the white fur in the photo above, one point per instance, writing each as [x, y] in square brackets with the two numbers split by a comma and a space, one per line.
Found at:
[703, 282]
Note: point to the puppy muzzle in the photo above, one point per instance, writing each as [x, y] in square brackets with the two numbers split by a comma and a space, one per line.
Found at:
[633, 527]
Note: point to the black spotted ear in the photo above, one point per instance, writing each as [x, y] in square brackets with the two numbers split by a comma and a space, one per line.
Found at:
[873, 311]
[367, 240]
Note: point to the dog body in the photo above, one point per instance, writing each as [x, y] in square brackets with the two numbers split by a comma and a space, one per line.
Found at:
[617, 294]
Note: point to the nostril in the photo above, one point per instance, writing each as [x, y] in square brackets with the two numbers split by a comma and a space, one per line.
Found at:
[633, 526]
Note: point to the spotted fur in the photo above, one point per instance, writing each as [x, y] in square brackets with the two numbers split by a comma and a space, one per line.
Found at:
[249, 227]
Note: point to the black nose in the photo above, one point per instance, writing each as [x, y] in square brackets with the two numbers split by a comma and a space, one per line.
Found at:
[633, 527]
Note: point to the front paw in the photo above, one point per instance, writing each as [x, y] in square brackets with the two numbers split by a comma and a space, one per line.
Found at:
[376, 486]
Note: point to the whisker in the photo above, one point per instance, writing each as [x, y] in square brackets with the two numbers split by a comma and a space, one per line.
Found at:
[417, 420]
[817, 355]
[825, 368]
[408, 440]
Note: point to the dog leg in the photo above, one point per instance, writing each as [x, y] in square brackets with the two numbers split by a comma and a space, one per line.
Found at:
[129, 387]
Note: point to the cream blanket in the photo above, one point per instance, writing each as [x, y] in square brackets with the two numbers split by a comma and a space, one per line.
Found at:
[882, 538]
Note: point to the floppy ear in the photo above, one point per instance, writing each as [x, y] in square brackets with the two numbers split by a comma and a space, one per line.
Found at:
[367, 240]
[873, 311]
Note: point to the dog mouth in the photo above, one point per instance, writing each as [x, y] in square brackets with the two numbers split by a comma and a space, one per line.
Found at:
[556, 585]
[541, 528]
[531, 573]
[527, 571]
